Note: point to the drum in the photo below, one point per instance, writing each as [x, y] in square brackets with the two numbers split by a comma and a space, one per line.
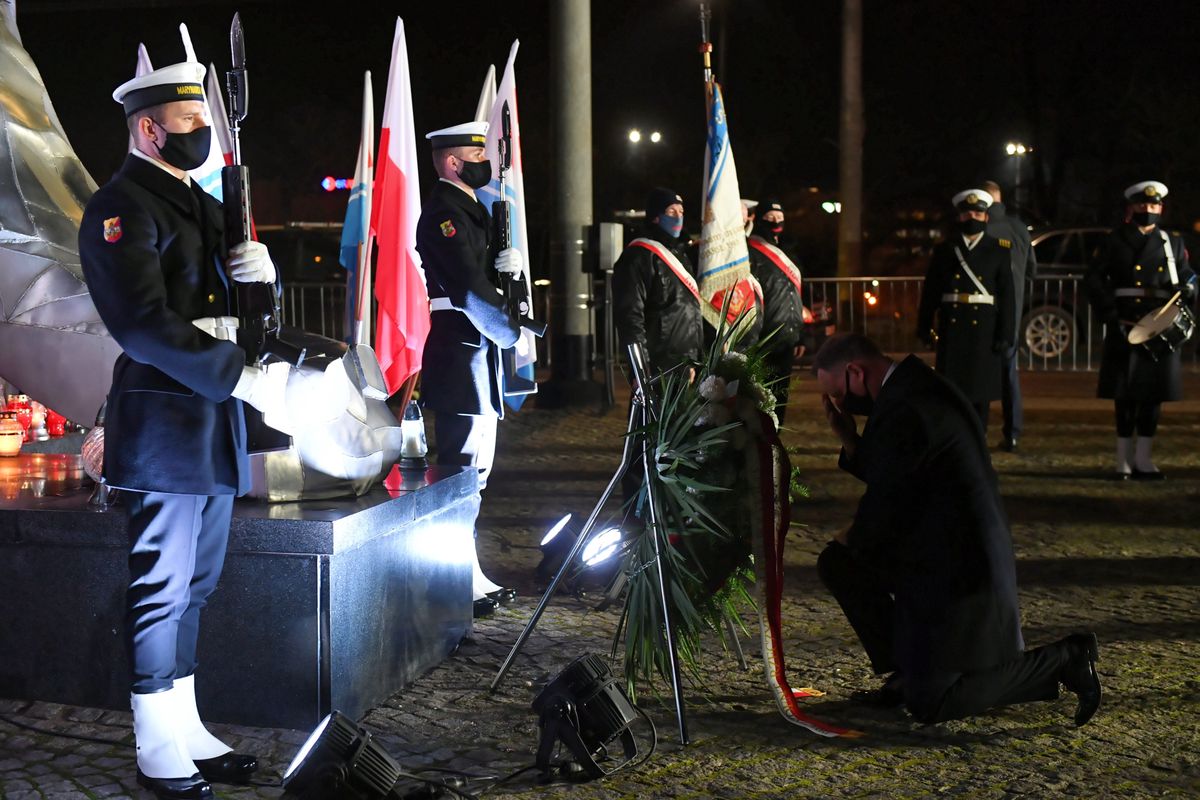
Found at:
[1164, 331]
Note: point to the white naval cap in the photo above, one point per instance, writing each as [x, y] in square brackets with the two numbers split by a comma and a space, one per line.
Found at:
[748, 204]
[182, 81]
[972, 200]
[469, 134]
[1146, 192]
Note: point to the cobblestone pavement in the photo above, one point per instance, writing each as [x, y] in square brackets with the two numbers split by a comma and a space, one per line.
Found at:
[1122, 559]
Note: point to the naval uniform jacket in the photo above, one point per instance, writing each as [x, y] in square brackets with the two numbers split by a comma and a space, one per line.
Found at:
[652, 307]
[1010, 229]
[461, 363]
[1134, 265]
[932, 520]
[151, 249]
[972, 337]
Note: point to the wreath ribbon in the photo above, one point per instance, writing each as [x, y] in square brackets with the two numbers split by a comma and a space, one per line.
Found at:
[772, 523]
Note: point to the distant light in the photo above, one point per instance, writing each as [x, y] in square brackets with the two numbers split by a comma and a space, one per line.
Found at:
[635, 136]
[558, 526]
[828, 207]
[332, 184]
[872, 300]
[316, 259]
[1017, 149]
[601, 547]
[542, 282]
[656, 137]
[874, 283]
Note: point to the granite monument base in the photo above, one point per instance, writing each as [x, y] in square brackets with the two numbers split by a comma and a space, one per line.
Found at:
[323, 605]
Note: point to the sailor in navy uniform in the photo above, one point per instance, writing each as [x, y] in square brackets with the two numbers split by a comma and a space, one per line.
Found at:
[470, 323]
[969, 287]
[1139, 268]
[152, 252]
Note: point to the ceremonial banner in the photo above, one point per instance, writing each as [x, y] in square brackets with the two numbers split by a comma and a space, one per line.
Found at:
[724, 260]
[208, 174]
[487, 96]
[514, 193]
[355, 250]
[402, 322]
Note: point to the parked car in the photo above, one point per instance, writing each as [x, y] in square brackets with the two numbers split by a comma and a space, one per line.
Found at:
[1055, 310]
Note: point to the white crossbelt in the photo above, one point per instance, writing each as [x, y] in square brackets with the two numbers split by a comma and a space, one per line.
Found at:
[441, 304]
[969, 298]
[982, 290]
[1170, 257]
[1141, 293]
[223, 328]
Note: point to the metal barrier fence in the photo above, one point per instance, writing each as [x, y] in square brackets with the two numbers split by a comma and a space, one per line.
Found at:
[1057, 332]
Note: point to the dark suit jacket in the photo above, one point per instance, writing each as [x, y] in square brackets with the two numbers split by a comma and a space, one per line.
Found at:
[461, 363]
[972, 337]
[150, 250]
[932, 519]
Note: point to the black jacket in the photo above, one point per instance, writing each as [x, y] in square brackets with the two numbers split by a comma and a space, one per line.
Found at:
[1006, 228]
[461, 363]
[932, 519]
[1136, 262]
[783, 310]
[972, 337]
[151, 250]
[652, 307]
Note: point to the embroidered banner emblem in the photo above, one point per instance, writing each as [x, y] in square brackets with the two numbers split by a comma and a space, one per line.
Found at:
[112, 229]
[448, 229]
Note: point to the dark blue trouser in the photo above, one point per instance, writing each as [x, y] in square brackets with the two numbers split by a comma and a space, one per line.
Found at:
[1010, 397]
[176, 552]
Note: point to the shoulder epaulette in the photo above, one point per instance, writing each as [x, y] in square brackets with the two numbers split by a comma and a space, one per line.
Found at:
[1004, 243]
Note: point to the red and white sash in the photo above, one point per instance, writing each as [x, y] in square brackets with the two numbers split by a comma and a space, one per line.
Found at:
[778, 258]
[672, 261]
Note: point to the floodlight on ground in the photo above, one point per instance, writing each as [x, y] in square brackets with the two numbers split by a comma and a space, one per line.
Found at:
[601, 547]
[584, 708]
[555, 546]
[341, 760]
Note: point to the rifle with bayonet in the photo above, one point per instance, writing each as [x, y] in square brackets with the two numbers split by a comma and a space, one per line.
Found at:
[513, 285]
[256, 304]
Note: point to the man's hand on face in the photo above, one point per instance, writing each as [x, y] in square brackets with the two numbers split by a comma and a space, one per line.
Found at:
[841, 423]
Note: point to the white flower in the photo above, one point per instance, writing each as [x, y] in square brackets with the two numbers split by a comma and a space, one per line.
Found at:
[733, 359]
[712, 388]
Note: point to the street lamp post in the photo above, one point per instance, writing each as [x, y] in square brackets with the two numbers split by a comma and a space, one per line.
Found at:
[1017, 151]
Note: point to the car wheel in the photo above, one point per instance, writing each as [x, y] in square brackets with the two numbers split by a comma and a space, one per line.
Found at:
[1048, 331]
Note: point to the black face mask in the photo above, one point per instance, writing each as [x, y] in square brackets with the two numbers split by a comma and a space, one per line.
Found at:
[971, 226]
[1144, 218]
[768, 230]
[185, 150]
[475, 174]
[857, 404]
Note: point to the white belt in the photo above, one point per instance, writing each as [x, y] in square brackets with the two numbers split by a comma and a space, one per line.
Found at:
[969, 298]
[441, 304]
[223, 328]
[1141, 293]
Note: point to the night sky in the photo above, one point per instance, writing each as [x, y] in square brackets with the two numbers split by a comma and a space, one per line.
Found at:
[1105, 92]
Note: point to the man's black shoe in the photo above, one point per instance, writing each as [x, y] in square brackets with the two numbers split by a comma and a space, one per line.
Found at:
[1079, 674]
[504, 597]
[890, 695]
[233, 768]
[485, 606]
[1152, 475]
[193, 788]
[1008, 445]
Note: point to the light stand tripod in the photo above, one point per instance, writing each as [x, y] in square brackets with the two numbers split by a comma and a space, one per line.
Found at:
[643, 410]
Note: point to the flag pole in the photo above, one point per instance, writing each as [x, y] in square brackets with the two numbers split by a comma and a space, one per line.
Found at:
[706, 47]
[366, 168]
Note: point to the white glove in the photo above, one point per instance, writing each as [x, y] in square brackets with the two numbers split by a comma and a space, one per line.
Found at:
[510, 262]
[266, 390]
[223, 328]
[249, 262]
[522, 345]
